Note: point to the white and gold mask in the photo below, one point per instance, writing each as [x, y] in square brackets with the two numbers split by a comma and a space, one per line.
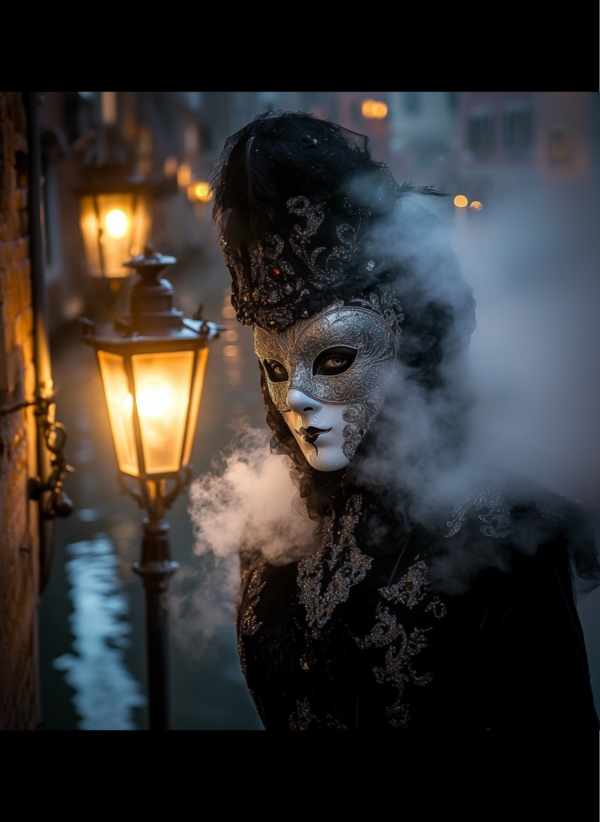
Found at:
[329, 374]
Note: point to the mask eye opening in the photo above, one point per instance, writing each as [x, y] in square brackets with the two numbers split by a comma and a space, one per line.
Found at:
[335, 360]
[276, 372]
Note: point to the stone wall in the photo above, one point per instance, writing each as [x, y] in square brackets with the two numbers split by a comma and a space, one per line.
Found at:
[18, 523]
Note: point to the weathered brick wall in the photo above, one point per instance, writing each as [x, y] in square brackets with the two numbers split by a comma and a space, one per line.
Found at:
[18, 526]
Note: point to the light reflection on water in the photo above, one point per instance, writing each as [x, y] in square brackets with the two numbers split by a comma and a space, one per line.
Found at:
[105, 690]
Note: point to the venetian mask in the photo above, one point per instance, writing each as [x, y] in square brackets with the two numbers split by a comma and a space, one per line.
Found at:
[328, 375]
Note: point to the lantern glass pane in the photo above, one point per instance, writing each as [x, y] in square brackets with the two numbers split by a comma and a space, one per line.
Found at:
[201, 363]
[120, 410]
[163, 385]
[88, 219]
[115, 222]
[142, 225]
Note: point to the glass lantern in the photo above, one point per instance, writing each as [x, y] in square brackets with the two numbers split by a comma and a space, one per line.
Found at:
[115, 206]
[153, 363]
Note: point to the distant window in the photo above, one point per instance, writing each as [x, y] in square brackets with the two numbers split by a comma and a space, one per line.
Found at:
[412, 101]
[559, 148]
[482, 132]
[516, 128]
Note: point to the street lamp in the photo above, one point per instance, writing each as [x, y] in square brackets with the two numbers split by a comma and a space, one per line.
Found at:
[153, 363]
[114, 206]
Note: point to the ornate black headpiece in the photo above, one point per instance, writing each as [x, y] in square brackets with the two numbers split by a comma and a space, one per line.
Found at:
[296, 198]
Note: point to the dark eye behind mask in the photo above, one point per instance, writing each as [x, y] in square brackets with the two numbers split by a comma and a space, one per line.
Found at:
[334, 361]
[276, 372]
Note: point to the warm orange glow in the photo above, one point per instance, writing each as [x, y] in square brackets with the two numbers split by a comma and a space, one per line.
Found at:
[162, 390]
[108, 102]
[116, 223]
[165, 385]
[154, 400]
[120, 410]
[202, 192]
[231, 335]
[170, 167]
[114, 227]
[460, 201]
[184, 175]
[476, 205]
[228, 312]
[201, 363]
[231, 351]
[374, 109]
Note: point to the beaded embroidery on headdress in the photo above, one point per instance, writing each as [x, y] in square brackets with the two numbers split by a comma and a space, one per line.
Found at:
[276, 295]
[294, 227]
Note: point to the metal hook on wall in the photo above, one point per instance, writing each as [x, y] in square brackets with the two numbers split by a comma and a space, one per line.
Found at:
[57, 503]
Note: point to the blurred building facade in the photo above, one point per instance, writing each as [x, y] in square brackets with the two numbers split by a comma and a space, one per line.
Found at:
[515, 141]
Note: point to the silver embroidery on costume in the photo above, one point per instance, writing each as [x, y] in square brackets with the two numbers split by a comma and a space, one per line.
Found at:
[499, 491]
[371, 327]
[412, 589]
[301, 718]
[345, 562]
[399, 672]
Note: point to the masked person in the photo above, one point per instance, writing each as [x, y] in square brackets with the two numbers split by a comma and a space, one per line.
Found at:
[409, 613]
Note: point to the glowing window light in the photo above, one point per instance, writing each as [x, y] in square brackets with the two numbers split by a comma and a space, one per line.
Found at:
[374, 109]
[116, 222]
[476, 205]
[460, 201]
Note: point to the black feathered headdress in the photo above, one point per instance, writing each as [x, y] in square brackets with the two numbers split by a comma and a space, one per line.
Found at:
[296, 198]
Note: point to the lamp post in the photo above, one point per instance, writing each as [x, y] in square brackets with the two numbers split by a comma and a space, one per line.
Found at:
[153, 362]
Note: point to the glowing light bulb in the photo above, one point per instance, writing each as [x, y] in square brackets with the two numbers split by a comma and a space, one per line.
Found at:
[460, 201]
[153, 401]
[203, 192]
[116, 222]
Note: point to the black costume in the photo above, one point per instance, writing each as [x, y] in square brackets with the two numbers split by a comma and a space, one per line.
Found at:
[363, 636]
[465, 623]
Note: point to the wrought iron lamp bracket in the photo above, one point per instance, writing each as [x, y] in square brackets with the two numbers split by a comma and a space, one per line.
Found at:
[57, 503]
[155, 496]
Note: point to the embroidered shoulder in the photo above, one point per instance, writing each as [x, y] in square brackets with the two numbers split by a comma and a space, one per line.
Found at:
[495, 492]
